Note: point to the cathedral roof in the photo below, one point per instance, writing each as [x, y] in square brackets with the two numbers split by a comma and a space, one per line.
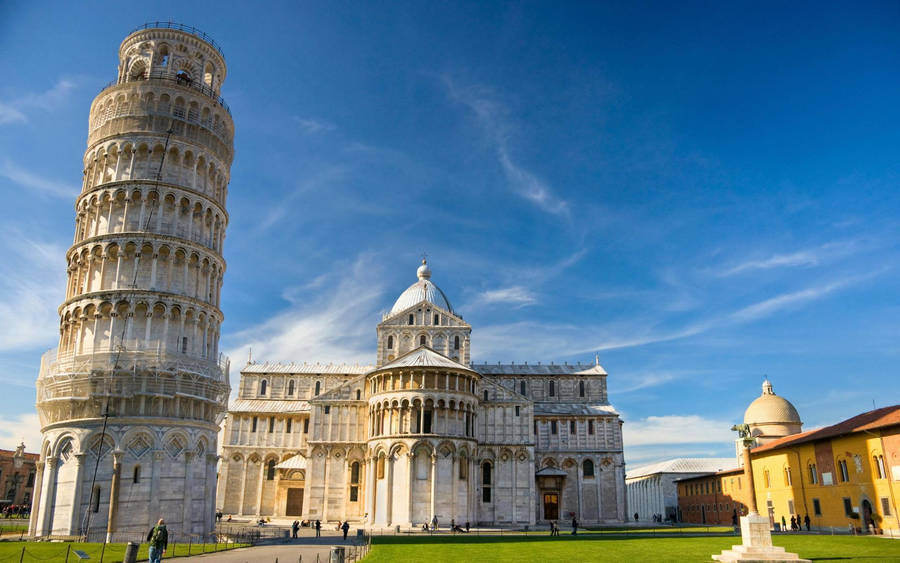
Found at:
[423, 290]
[306, 367]
[769, 408]
[296, 462]
[539, 369]
[424, 356]
[267, 405]
[572, 409]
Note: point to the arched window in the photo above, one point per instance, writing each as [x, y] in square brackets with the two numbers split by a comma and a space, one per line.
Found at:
[379, 468]
[262, 387]
[463, 467]
[588, 468]
[95, 499]
[270, 470]
[437, 319]
[522, 387]
[485, 395]
[318, 387]
[411, 319]
[485, 482]
[581, 388]
[291, 387]
[422, 340]
[390, 343]
[456, 342]
[358, 394]
[354, 481]
[552, 389]
[136, 476]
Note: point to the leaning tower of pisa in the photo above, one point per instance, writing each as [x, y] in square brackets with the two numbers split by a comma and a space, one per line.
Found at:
[131, 400]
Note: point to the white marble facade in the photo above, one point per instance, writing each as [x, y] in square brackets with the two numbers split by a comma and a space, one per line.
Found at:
[139, 326]
[423, 433]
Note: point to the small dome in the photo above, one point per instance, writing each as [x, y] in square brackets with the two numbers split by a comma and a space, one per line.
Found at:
[422, 290]
[769, 408]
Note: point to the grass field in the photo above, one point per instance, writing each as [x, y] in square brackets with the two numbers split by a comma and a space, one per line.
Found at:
[56, 551]
[603, 547]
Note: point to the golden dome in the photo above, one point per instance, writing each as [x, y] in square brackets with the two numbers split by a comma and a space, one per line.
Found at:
[769, 408]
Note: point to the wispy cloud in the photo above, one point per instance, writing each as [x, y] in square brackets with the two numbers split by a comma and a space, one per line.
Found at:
[36, 182]
[338, 328]
[15, 111]
[312, 125]
[516, 295]
[30, 291]
[492, 117]
[792, 299]
[802, 258]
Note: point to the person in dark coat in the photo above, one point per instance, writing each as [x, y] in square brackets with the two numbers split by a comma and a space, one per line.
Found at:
[294, 528]
[346, 528]
[318, 528]
[574, 526]
[806, 521]
[158, 538]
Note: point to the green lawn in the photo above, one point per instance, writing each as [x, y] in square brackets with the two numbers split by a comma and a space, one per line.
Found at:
[56, 551]
[597, 547]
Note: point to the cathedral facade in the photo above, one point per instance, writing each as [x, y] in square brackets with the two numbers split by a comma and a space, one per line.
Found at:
[423, 433]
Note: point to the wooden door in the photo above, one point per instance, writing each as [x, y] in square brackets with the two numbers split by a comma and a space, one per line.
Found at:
[551, 506]
[294, 502]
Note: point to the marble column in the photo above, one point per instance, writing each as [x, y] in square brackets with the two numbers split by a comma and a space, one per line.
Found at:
[390, 490]
[431, 512]
[47, 510]
[114, 495]
[76, 494]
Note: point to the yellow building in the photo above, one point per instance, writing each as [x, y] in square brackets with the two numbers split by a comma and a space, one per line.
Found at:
[844, 475]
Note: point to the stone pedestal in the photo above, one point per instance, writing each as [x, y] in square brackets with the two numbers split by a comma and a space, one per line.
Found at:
[756, 544]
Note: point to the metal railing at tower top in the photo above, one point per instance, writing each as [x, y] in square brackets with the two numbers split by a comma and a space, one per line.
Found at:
[181, 27]
[179, 80]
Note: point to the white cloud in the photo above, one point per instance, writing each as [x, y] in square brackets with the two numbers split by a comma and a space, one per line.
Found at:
[15, 111]
[794, 299]
[802, 258]
[491, 116]
[32, 181]
[676, 429]
[30, 291]
[9, 114]
[517, 296]
[22, 428]
[312, 125]
[338, 328]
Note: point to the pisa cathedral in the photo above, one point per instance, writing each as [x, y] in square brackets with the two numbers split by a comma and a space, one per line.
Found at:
[423, 433]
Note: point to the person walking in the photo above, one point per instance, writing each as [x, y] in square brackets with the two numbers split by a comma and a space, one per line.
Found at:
[574, 526]
[783, 524]
[806, 521]
[434, 523]
[346, 528]
[318, 528]
[467, 526]
[294, 528]
[453, 525]
[158, 538]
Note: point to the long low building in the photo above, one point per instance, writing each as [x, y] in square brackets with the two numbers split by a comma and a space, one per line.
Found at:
[653, 491]
[423, 433]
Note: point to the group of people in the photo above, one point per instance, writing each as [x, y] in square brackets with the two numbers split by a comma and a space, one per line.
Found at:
[554, 527]
[796, 523]
[296, 525]
[16, 511]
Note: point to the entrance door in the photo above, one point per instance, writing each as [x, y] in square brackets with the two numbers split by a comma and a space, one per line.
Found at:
[294, 502]
[551, 506]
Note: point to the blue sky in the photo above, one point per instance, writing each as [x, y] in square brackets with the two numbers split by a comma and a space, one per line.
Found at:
[701, 194]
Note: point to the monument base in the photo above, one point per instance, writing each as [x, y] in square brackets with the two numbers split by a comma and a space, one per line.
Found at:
[756, 544]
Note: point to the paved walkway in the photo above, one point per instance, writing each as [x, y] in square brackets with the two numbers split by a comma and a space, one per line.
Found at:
[266, 554]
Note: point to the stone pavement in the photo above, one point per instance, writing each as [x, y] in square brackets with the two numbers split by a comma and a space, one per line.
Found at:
[266, 554]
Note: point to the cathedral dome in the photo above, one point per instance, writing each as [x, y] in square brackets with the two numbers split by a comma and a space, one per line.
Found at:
[422, 290]
[769, 408]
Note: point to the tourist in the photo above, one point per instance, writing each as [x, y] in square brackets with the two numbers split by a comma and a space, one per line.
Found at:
[574, 526]
[295, 527]
[158, 538]
[806, 521]
[318, 528]
[793, 523]
[467, 526]
[346, 528]
[434, 523]
[783, 524]
[453, 525]
[635, 516]
[799, 528]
